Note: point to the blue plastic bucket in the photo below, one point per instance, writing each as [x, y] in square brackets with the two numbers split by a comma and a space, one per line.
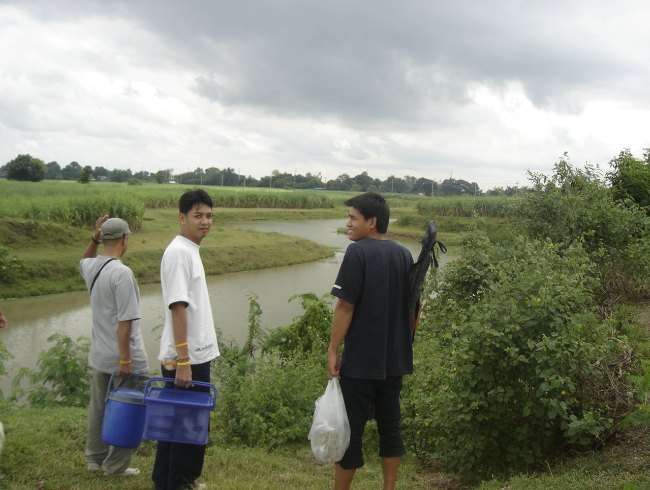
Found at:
[177, 415]
[124, 418]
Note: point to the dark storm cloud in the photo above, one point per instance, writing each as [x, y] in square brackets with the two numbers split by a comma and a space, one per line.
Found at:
[372, 61]
[392, 61]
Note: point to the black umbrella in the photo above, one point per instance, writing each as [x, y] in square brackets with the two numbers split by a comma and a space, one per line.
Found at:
[419, 270]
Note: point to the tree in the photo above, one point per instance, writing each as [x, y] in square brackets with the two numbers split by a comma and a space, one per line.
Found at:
[144, 176]
[363, 182]
[311, 181]
[101, 173]
[394, 184]
[230, 177]
[120, 175]
[71, 171]
[342, 183]
[199, 172]
[85, 175]
[26, 167]
[53, 171]
[631, 178]
[459, 187]
[161, 176]
[424, 186]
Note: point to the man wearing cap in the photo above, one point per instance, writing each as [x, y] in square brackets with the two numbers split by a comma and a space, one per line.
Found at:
[117, 347]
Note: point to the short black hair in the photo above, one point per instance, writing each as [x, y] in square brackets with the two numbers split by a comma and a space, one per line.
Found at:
[372, 205]
[191, 198]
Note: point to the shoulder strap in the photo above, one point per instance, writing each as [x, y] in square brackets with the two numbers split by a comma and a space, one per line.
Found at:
[99, 272]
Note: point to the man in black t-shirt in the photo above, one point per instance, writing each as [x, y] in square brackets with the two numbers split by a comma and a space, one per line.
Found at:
[371, 318]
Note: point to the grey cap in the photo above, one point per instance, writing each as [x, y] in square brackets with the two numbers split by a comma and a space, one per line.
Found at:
[114, 229]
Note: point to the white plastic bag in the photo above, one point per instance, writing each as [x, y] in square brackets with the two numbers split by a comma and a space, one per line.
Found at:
[330, 430]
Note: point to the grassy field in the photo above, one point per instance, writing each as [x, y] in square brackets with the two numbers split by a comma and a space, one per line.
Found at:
[44, 449]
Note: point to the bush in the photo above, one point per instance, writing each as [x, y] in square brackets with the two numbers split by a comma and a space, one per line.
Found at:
[273, 404]
[9, 267]
[575, 206]
[61, 377]
[268, 401]
[513, 365]
[631, 178]
[307, 333]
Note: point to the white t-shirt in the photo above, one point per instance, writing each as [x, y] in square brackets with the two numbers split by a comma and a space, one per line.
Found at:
[183, 280]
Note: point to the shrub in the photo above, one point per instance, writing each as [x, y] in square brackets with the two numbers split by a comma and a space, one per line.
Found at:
[268, 401]
[273, 403]
[631, 178]
[307, 333]
[61, 377]
[575, 206]
[512, 363]
[9, 267]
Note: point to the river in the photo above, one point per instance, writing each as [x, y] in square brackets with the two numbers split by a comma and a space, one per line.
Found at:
[33, 320]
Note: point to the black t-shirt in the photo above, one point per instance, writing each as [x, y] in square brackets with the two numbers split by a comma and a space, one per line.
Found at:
[374, 277]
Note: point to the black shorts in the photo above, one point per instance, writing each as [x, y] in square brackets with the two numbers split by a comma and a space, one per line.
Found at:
[384, 395]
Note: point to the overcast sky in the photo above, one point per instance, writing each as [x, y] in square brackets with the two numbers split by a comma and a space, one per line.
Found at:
[475, 90]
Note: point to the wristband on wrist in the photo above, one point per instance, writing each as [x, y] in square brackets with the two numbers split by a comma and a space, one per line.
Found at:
[184, 363]
[92, 237]
[182, 344]
[123, 363]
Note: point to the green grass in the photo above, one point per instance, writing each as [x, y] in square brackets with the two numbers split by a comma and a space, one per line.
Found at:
[625, 464]
[44, 449]
[79, 205]
[43, 257]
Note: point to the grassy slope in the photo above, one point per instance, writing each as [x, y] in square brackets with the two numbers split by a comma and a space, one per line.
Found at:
[48, 253]
[37, 439]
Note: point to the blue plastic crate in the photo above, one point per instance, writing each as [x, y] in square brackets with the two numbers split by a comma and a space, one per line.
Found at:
[177, 415]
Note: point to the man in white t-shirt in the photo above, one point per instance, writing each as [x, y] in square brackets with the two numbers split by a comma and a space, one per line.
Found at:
[189, 342]
[117, 350]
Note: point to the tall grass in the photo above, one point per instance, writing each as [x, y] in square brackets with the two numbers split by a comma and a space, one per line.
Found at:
[484, 206]
[76, 204]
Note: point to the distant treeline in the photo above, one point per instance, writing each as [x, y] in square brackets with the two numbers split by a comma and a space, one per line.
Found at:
[26, 167]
